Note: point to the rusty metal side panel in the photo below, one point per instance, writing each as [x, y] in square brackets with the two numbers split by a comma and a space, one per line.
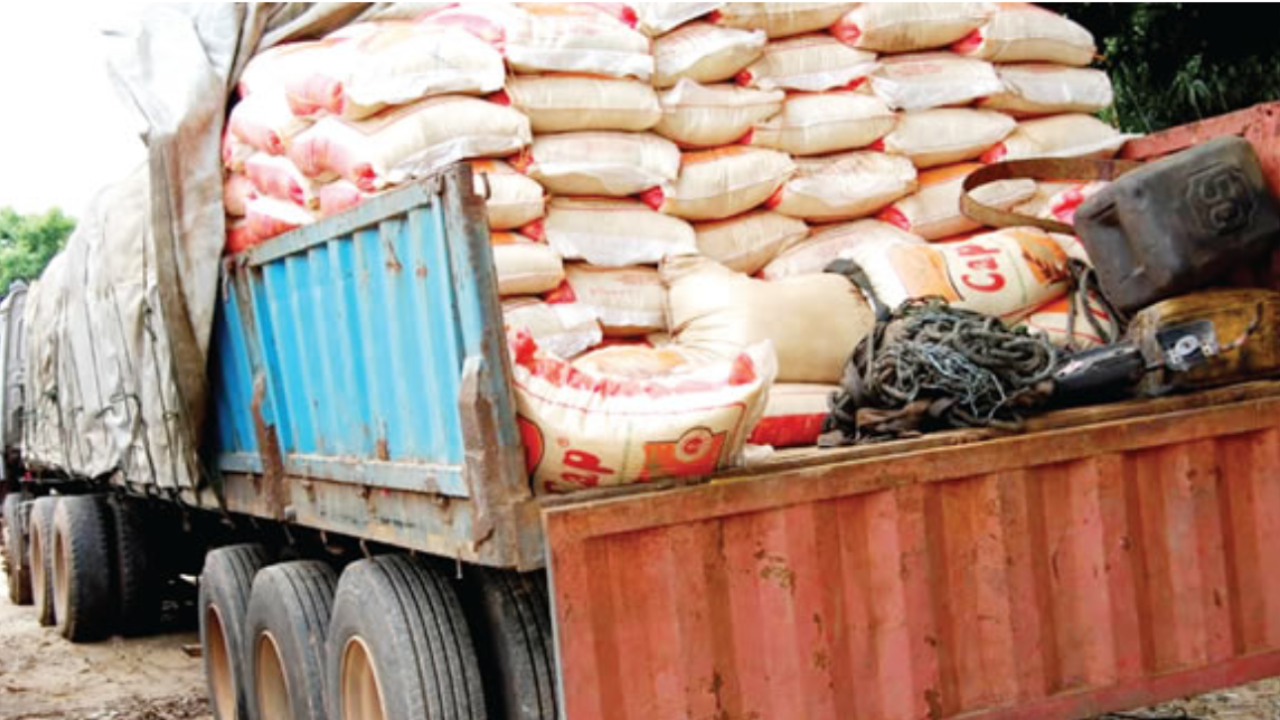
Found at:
[1052, 575]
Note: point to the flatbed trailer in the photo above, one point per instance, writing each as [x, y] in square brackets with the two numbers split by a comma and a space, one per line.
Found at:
[364, 432]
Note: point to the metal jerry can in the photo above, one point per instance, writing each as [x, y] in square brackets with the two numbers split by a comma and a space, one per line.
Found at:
[1180, 223]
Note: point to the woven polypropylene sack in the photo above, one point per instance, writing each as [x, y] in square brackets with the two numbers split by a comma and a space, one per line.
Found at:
[721, 183]
[524, 267]
[570, 37]
[704, 53]
[660, 18]
[265, 122]
[615, 233]
[933, 211]
[570, 103]
[813, 322]
[582, 429]
[930, 80]
[1058, 200]
[394, 63]
[237, 190]
[908, 26]
[748, 242]
[411, 141]
[793, 415]
[1074, 135]
[634, 359]
[695, 116]
[1022, 32]
[566, 330]
[809, 63]
[278, 177]
[267, 217]
[833, 242]
[821, 123]
[1041, 89]
[845, 186]
[512, 199]
[1007, 273]
[780, 19]
[944, 136]
[628, 302]
[614, 164]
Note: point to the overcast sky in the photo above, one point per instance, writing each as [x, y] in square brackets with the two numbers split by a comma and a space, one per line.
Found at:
[63, 133]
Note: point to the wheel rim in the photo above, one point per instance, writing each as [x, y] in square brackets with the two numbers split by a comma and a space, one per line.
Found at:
[361, 689]
[269, 678]
[221, 681]
[61, 577]
[38, 579]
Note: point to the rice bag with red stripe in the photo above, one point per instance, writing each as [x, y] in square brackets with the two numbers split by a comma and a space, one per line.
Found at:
[793, 415]
[410, 141]
[585, 429]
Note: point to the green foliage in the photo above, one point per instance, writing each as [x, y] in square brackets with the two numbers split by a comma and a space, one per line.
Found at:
[1174, 63]
[29, 242]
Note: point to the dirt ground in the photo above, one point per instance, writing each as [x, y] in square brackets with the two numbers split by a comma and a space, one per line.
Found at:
[43, 677]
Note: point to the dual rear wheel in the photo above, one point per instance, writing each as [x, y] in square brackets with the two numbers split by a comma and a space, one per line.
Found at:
[90, 568]
[395, 638]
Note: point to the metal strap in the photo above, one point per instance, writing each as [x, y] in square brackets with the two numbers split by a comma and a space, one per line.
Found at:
[1041, 169]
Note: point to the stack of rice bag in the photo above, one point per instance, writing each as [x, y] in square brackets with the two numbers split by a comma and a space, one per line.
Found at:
[667, 181]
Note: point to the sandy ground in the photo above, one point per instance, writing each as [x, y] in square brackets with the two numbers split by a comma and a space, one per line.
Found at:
[43, 677]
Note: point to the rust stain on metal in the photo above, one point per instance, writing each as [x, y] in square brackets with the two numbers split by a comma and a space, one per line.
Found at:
[934, 700]
[774, 569]
[269, 451]
[420, 271]
[381, 450]
[393, 262]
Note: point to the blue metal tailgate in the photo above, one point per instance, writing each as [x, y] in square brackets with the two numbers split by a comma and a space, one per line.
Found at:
[365, 353]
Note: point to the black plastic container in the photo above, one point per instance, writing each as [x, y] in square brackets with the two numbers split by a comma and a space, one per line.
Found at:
[1179, 224]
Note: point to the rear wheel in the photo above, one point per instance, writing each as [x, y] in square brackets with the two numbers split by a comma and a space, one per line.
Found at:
[83, 568]
[17, 563]
[225, 585]
[40, 557]
[287, 622]
[137, 578]
[511, 620]
[399, 647]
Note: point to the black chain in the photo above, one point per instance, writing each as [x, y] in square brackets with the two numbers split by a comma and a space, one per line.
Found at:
[1085, 288]
[931, 366]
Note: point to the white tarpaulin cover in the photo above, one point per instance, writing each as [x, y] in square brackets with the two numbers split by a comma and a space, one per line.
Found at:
[118, 326]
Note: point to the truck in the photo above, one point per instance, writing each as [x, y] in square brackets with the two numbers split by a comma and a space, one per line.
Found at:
[341, 465]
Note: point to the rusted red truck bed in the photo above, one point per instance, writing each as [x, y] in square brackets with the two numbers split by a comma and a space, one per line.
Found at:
[1109, 558]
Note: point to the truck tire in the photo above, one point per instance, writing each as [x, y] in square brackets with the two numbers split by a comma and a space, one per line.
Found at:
[399, 647]
[137, 581]
[40, 557]
[510, 619]
[17, 564]
[287, 624]
[83, 573]
[225, 584]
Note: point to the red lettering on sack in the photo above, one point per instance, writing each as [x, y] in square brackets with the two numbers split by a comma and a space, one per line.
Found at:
[590, 465]
[975, 249]
[990, 281]
[995, 284]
